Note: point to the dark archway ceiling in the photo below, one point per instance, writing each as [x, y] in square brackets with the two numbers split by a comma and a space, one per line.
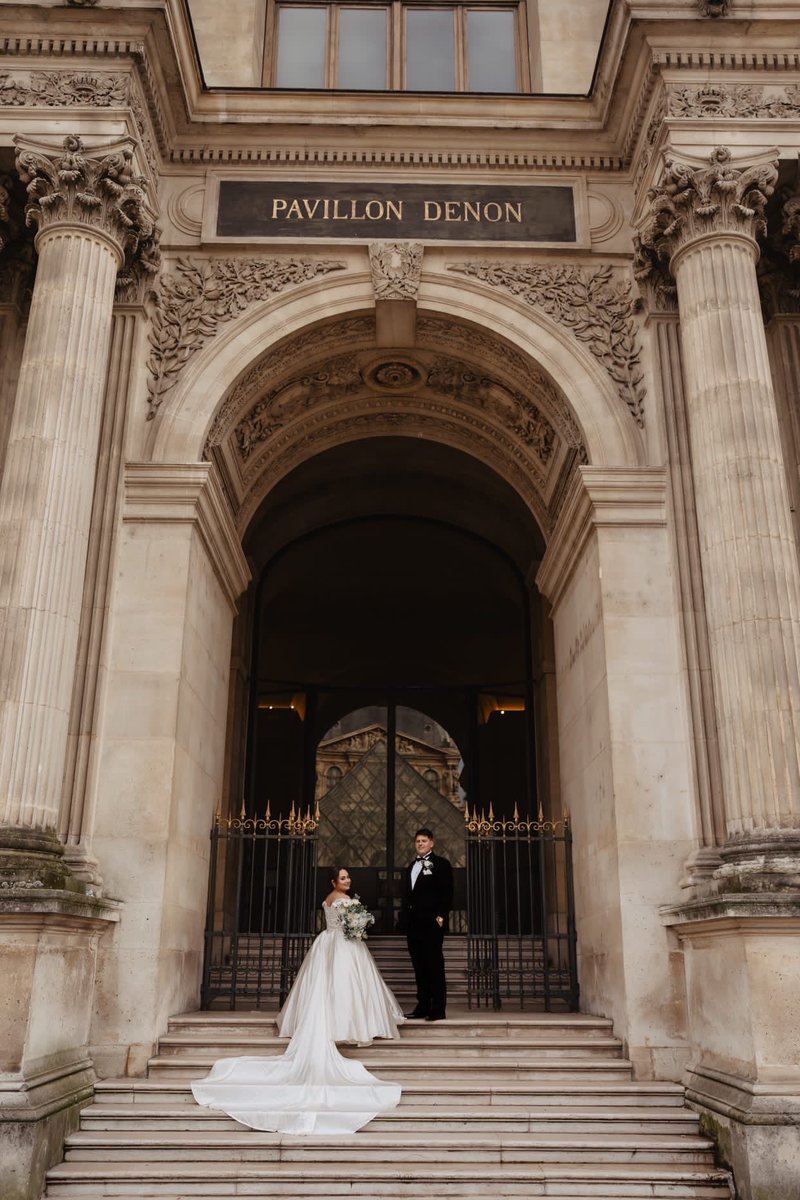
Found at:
[394, 476]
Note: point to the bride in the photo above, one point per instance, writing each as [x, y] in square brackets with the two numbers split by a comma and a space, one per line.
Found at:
[338, 996]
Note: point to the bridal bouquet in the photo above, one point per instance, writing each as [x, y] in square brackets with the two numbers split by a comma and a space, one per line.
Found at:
[356, 920]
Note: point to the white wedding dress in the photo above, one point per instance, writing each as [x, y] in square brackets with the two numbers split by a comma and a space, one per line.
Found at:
[338, 996]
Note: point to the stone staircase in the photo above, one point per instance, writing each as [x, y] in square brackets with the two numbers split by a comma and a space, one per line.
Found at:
[494, 1105]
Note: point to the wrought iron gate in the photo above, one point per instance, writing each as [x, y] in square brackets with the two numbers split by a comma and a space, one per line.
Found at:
[521, 943]
[261, 906]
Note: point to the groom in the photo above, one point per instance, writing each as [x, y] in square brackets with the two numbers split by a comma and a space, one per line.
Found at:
[426, 906]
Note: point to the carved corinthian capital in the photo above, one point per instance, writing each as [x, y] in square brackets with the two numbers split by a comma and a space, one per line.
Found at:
[396, 268]
[694, 202]
[99, 192]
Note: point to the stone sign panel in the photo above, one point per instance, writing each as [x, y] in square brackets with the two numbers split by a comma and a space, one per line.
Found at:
[450, 212]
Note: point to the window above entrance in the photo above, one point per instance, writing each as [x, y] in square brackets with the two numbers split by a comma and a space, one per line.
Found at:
[377, 45]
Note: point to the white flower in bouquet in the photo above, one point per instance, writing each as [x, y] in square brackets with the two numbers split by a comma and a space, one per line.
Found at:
[356, 920]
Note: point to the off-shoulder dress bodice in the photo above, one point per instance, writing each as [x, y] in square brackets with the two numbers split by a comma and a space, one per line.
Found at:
[334, 913]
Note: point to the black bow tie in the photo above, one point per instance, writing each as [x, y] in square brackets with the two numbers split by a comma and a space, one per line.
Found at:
[422, 858]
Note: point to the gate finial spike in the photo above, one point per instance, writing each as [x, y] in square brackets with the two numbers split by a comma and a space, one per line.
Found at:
[267, 814]
[316, 813]
[516, 812]
[243, 812]
[541, 811]
[491, 811]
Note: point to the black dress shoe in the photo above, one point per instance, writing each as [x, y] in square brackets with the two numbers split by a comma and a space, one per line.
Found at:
[416, 1015]
[436, 1017]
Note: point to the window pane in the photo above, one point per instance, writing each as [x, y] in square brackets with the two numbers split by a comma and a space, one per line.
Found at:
[301, 47]
[362, 48]
[491, 51]
[430, 50]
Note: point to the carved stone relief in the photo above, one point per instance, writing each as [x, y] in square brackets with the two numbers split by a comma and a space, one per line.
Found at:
[656, 285]
[691, 201]
[98, 192]
[192, 302]
[713, 8]
[396, 269]
[733, 100]
[592, 305]
[274, 364]
[346, 375]
[779, 263]
[64, 89]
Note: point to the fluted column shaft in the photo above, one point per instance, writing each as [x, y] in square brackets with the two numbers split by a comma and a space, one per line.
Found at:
[45, 503]
[92, 217]
[750, 568]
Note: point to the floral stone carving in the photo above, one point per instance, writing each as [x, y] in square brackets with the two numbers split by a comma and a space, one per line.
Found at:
[598, 311]
[738, 100]
[396, 269]
[694, 201]
[91, 192]
[63, 89]
[192, 303]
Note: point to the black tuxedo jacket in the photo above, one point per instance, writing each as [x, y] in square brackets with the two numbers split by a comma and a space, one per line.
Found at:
[431, 896]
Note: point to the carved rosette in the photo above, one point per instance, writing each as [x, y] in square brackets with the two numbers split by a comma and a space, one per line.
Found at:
[98, 192]
[396, 268]
[693, 202]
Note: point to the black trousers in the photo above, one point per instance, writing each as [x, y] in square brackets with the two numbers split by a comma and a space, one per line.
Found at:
[426, 947]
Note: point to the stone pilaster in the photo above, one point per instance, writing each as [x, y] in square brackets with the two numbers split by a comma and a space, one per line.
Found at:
[92, 219]
[704, 221]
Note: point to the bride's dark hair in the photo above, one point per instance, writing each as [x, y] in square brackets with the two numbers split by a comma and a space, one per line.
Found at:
[335, 872]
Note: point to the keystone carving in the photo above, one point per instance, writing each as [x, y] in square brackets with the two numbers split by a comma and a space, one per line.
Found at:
[191, 304]
[691, 202]
[396, 269]
[598, 311]
[91, 192]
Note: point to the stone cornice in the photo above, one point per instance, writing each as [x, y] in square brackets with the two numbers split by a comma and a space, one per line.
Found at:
[753, 913]
[599, 497]
[195, 126]
[177, 493]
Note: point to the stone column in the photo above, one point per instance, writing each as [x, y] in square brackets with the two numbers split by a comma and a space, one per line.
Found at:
[739, 932]
[91, 217]
[704, 221]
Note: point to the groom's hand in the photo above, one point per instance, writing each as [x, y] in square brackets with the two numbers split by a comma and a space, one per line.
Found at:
[440, 921]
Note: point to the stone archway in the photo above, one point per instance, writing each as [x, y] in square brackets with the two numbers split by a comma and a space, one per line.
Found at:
[290, 381]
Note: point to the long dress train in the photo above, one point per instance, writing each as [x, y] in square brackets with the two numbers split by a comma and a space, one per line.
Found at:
[338, 995]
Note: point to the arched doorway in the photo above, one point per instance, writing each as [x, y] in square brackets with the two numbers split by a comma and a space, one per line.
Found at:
[389, 580]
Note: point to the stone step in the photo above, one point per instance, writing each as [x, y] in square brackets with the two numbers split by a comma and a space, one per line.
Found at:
[420, 1119]
[473, 1025]
[250, 1146]
[455, 1048]
[403, 1066]
[480, 1091]
[570, 1181]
